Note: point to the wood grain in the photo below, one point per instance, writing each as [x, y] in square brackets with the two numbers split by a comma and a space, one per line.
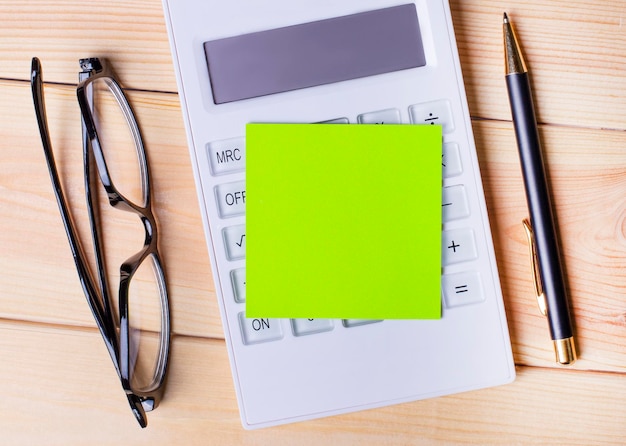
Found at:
[590, 208]
[574, 52]
[57, 383]
[53, 396]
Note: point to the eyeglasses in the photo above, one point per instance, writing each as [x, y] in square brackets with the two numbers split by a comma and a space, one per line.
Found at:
[137, 332]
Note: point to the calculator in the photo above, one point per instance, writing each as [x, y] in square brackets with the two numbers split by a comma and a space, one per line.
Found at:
[349, 62]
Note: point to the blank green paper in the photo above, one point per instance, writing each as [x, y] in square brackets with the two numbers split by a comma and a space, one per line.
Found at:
[343, 221]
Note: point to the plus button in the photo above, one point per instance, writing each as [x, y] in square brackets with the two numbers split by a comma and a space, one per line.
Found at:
[453, 246]
[458, 245]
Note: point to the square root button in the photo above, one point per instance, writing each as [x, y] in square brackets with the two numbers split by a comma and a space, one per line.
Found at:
[235, 241]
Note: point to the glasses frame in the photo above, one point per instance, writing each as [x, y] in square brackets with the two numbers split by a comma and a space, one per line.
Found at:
[117, 337]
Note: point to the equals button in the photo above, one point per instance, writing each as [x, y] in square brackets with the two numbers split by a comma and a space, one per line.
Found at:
[462, 289]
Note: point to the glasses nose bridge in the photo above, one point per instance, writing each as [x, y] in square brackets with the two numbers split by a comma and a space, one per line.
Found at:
[144, 213]
[149, 225]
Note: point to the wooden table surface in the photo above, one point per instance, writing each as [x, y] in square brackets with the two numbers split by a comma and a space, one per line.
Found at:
[57, 383]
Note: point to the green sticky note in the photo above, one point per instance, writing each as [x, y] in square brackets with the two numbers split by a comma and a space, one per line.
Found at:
[343, 221]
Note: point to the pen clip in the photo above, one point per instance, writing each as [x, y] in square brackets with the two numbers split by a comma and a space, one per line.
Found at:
[534, 262]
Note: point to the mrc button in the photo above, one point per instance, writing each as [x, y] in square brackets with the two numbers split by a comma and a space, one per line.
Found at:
[227, 155]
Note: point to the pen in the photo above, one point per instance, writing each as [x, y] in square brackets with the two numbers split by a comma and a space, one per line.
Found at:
[549, 282]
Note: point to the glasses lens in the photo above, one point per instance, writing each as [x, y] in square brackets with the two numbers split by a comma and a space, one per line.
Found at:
[118, 138]
[146, 336]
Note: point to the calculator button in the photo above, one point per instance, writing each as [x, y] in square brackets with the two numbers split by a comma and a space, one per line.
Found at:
[228, 155]
[235, 241]
[358, 322]
[451, 160]
[436, 112]
[256, 330]
[238, 279]
[454, 203]
[302, 327]
[336, 121]
[389, 116]
[458, 245]
[231, 198]
[462, 289]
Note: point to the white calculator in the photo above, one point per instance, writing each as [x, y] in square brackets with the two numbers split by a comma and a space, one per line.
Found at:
[351, 62]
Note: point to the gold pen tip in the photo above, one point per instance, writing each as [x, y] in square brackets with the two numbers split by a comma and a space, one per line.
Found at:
[514, 61]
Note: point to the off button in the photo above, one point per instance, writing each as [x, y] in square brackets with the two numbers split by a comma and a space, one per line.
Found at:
[231, 198]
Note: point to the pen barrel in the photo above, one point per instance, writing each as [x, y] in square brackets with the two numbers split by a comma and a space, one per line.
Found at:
[539, 205]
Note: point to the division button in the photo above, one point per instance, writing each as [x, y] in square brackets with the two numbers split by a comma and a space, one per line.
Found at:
[435, 112]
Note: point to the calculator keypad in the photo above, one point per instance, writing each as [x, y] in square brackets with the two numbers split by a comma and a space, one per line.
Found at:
[457, 245]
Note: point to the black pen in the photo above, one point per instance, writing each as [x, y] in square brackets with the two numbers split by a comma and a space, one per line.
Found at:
[549, 281]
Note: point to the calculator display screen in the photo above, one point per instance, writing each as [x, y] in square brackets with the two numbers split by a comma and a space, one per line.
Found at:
[314, 53]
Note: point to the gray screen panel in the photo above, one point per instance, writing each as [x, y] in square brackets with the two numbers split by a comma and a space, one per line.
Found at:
[315, 53]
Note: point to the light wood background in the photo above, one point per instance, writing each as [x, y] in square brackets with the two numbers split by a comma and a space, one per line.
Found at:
[57, 384]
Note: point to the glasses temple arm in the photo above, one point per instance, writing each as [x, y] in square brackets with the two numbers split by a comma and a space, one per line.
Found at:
[86, 278]
[94, 216]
